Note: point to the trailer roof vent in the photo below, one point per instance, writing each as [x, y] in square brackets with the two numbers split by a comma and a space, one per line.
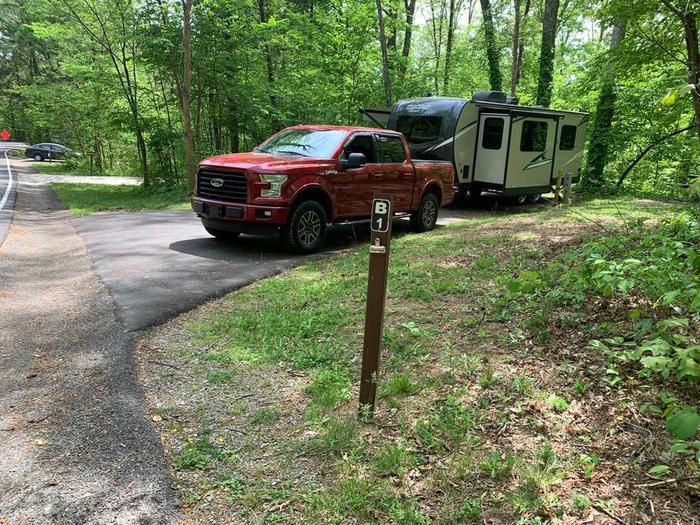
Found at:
[490, 96]
[512, 100]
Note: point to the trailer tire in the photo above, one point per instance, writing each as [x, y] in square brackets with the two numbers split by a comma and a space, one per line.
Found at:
[425, 217]
[534, 199]
[521, 199]
[221, 235]
[305, 231]
[474, 192]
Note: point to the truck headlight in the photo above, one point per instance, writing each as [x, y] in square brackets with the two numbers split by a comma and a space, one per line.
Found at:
[276, 182]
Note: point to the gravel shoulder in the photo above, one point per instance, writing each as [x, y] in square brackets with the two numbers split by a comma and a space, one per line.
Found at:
[76, 444]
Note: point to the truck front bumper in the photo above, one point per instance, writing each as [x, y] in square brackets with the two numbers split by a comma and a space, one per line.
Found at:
[240, 218]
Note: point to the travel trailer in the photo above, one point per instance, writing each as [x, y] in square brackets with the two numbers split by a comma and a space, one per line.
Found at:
[494, 144]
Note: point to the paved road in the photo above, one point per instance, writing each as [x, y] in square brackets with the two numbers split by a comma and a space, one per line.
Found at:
[76, 443]
[8, 184]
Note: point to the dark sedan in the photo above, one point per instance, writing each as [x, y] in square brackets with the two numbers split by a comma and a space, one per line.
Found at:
[50, 151]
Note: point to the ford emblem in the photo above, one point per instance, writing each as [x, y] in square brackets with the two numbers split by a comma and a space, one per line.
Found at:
[217, 183]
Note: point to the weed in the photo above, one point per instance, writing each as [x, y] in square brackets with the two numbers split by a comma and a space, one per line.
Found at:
[198, 454]
[580, 387]
[498, 465]
[337, 435]
[220, 377]
[487, 378]
[265, 415]
[394, 460]
[399, 384]
[469, 511]
[580, 501]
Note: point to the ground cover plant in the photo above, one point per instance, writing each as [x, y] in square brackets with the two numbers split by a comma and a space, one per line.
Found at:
[515, 385]
[84, 199]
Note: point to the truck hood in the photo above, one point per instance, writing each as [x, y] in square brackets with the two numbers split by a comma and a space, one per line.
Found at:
[263, 162]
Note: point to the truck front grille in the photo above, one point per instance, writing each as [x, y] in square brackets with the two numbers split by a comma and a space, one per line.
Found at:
[227, 186]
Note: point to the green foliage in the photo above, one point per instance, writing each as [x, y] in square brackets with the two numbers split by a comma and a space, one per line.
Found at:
[198, 454]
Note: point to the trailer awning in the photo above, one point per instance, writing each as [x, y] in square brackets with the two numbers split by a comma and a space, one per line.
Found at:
[376, 116]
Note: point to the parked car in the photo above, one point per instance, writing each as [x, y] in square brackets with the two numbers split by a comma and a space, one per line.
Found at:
[48, 150]
[305, 177]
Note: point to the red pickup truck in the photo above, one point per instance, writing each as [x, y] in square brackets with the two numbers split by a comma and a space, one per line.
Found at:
[305, 177]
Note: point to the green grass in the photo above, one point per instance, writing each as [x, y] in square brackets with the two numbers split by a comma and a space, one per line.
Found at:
[84, 199]
[465, 366]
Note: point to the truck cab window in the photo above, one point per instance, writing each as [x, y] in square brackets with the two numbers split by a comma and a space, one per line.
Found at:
[493, 133]
[390, 150]
[418, 129]
[568, 138]
[362, 144]
[533, 136]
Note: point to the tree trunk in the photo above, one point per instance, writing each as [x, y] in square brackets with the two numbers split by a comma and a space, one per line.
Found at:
[270, 65]
[549, 33]
[647, 150]
[385, 56]
[605, 111]
[410, 6]
[187, 94]
[690, 30]
[451, 23]
[515, 48]
[492, 54]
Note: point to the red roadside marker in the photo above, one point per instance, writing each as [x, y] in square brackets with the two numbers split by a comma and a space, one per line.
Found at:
[4, 134]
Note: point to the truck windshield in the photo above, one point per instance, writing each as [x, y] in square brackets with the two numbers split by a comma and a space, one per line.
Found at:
[316, 143]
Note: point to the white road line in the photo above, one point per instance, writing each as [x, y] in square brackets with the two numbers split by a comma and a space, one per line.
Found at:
[9, 182]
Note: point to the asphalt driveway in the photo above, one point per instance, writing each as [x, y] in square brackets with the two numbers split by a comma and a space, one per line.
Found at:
[159, 264]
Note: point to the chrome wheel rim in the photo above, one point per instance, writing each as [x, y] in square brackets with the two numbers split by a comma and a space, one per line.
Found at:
[522, 199]
[309, 228]
[429, 213]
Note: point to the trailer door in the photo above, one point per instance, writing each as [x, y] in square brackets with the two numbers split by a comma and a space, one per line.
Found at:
[491, 148]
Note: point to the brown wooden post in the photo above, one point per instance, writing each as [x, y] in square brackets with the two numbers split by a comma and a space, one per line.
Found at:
[382, 214]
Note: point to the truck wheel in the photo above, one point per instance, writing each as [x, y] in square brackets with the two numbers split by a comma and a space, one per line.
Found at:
[306, 229]
[221, 235]
[425, 217]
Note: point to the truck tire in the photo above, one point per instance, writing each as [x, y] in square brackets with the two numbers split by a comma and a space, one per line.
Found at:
[306, 229]
[221, 235]
[425, 217]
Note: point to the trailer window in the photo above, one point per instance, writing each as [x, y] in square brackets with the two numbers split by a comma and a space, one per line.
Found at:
[493, 133]
[390, 149]
[534, 136]
[568, 138]
[419, 128]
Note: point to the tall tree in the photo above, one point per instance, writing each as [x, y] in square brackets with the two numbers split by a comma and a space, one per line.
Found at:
[453, 17]
[602, 123]
[549, 33]
[270, 65]
[515, 48]
[385, 55]
[186, 93]
[492, 51]
[687, 14]
[410, 7]
[112, 26]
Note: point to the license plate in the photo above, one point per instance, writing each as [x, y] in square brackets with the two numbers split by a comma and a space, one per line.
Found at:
[215, 210]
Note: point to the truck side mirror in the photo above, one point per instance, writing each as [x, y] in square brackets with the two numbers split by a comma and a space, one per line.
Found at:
[354, 160]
